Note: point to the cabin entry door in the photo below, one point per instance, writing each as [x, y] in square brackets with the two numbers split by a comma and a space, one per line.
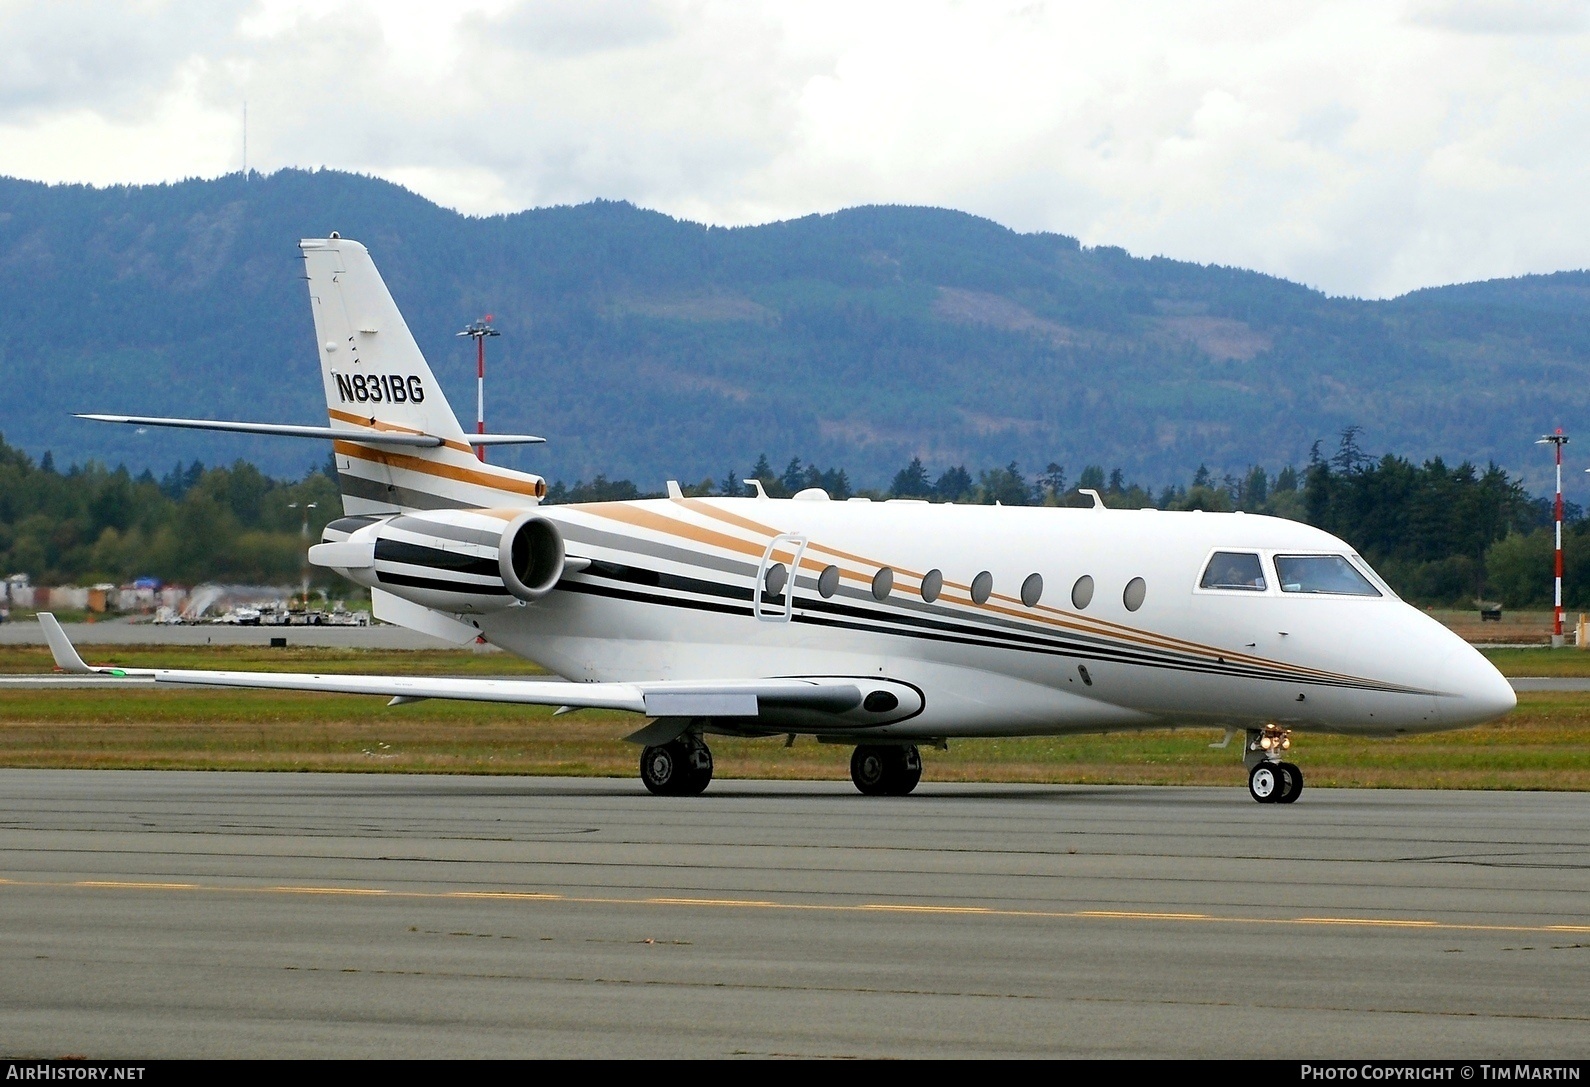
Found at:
[774, 591]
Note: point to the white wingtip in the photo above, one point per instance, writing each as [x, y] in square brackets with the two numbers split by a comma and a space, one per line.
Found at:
[61, 648]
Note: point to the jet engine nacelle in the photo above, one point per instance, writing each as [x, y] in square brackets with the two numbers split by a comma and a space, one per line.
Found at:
[450, 560]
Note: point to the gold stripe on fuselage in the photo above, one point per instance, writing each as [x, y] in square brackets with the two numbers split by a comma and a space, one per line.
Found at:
[1052, 619]
[1057, 618]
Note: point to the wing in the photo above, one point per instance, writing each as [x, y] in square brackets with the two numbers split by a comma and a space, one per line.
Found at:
[671, 698]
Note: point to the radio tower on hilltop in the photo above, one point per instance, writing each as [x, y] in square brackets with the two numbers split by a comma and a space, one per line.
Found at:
[478, 332]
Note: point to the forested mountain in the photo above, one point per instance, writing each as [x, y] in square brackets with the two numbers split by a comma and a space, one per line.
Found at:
[1440, 534]
[644, 347]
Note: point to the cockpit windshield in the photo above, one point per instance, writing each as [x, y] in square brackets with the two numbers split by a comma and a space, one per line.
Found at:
[1329, 574]
[1233, 570]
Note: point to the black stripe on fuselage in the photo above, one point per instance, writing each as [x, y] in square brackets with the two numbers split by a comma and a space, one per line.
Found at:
[390, 577]
[944, 628]
[1009, 636]
[614, 592]
[434, 558]
[940, 630]
[639, 575]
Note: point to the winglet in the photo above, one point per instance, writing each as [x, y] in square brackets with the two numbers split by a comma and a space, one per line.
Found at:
[66, 656]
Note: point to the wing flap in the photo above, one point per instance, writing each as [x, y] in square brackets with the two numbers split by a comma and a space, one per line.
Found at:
[701, 704]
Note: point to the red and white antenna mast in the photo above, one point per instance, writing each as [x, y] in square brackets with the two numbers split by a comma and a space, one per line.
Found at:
[478, 332]
[1557, 441]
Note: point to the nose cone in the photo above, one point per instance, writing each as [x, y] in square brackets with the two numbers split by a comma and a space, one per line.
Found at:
[1470, 691]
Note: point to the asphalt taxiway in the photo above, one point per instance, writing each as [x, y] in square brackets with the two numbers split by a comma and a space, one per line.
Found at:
[148, 914]
[119, 631]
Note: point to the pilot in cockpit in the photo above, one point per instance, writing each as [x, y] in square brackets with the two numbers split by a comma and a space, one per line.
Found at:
[1233, 570]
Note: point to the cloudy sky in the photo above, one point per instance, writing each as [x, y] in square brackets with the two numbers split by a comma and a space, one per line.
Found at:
[1363, 148]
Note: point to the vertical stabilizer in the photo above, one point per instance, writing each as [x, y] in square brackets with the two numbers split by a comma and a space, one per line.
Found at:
[377, 379]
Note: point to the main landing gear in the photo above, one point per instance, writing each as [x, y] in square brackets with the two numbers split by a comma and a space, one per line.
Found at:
[681, 767]
[1271, 781]
[886, 769]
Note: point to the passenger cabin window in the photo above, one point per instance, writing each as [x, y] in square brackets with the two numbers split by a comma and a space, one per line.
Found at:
[1234, 570]
[1328, 574]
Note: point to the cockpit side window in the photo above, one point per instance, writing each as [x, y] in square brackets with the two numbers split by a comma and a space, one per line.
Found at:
[1327, 574]
[1369, 571]
[1234, 570]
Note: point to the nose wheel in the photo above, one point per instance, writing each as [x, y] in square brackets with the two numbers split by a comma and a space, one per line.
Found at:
[681, 767]
[1271, 780]
[1275, 782]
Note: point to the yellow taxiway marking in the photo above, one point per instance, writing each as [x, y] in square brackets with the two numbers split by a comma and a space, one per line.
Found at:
[918, 908]
[1388, 921]
[126, 885]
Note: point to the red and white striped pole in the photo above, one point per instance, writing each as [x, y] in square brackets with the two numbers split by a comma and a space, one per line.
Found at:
[479, 331]
[1557, 441]
[480, 394]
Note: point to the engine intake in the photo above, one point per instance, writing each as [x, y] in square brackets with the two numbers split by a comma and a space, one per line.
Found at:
[530, 556]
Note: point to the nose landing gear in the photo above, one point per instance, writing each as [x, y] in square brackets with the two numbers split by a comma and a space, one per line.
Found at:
[681, 767]
[1270, 780]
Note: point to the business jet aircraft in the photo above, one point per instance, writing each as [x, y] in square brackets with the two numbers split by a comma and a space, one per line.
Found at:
[883, 625]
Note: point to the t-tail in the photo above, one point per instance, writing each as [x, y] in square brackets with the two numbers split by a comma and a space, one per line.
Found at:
[398, 446]
[377, 379]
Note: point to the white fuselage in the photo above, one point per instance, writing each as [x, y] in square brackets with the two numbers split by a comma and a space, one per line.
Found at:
[856, 621]
[669, 595]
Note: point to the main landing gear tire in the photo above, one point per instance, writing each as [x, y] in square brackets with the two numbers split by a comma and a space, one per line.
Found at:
[682, 767]
[1275, 782]
[886, 769]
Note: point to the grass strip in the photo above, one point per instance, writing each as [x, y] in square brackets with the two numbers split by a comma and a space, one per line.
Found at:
[36, 659]
[1544, 744]
[31, 659]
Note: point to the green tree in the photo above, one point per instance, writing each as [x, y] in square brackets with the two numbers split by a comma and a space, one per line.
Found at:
[912, 481]
[1005, 486]
[954, 485]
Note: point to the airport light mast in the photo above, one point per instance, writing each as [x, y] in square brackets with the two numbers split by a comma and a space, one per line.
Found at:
[304, 534]
[478, 332]
[1557, 441]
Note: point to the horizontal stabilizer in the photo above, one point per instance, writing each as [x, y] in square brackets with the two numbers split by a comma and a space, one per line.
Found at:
[293, 430]
[503, 439]
[288, 430]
